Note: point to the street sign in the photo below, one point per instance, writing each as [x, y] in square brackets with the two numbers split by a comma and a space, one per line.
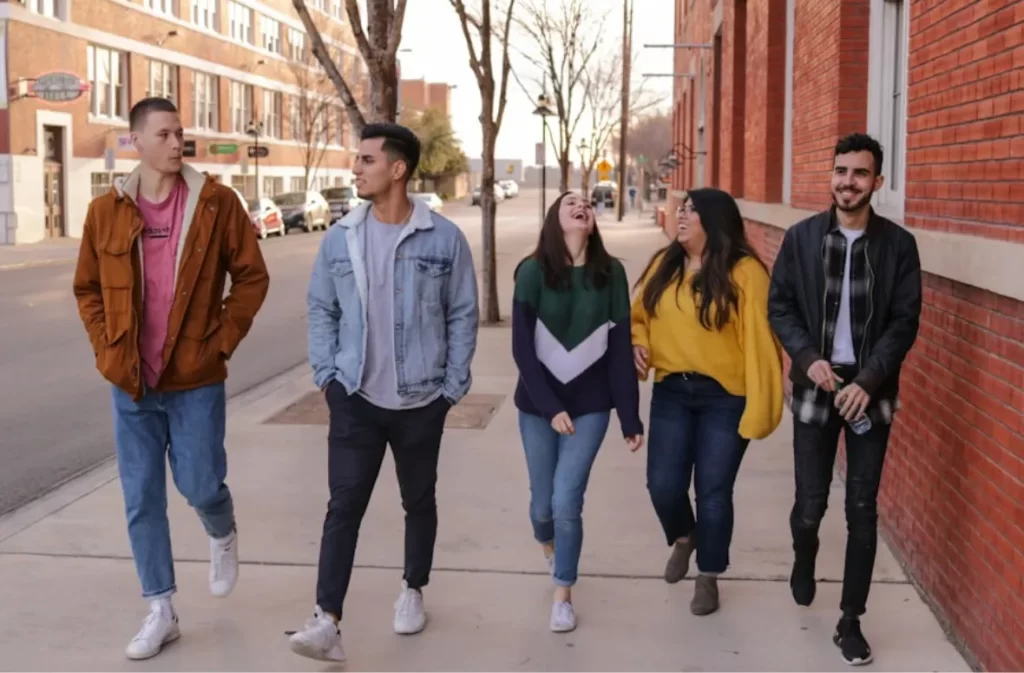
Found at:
[224, 148]
[539, 157]
[258, 152]
[58, 87]
[510, 169]
[641, 159]
[604, 171]
[189, 150]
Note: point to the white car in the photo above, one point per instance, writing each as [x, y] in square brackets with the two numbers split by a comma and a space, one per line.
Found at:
[510, 187]
[432, 200]
[266, 217]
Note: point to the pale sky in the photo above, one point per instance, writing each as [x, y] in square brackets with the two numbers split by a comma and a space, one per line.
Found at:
[438, 53]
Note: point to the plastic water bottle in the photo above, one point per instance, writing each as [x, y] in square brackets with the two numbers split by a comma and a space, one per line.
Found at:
[860, 425]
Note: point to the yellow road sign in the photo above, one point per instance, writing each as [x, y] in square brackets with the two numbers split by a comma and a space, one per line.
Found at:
[510, 169]
[604, 171]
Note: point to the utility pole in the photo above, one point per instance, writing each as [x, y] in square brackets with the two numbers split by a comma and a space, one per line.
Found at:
[627, 57]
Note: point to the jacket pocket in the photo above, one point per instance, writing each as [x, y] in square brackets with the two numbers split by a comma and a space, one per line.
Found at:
[432, 276]
[115, 262]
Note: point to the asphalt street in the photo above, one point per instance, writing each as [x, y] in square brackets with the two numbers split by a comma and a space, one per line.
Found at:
[55, 418]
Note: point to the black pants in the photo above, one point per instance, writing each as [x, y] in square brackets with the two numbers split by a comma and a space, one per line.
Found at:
[814, 458]
[358, 434]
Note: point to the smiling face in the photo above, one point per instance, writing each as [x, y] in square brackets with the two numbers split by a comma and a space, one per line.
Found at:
[159, 141]
[689, 229]
[576, 215]
[854, 180]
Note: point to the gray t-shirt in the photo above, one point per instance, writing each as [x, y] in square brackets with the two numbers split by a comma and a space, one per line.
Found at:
[380, 380]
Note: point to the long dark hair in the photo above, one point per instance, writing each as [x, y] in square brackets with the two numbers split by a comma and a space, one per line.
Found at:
[726, 245]
[555, 260]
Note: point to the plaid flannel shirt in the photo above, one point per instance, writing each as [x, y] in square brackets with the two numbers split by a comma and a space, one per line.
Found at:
[815, 406]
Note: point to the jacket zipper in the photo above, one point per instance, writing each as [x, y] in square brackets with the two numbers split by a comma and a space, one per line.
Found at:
[871, 303]
[824, 294]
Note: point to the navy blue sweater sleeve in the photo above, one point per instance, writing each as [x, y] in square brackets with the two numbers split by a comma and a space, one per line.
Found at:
[524, 325]
[622, 373]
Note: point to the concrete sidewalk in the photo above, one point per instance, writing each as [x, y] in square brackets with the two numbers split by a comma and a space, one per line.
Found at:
[62, 250]
[69, 596]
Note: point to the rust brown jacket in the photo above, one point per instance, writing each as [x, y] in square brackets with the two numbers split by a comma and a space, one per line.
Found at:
[217, 240]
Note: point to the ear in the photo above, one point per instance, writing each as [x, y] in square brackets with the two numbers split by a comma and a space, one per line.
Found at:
[398, 170]
[135, 141]
[879, 181]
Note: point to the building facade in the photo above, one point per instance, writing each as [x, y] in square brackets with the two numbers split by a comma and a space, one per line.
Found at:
[420, 95]
[73, 68]
[764, 88]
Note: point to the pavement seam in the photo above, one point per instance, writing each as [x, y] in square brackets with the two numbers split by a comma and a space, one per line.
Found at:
[438, 569]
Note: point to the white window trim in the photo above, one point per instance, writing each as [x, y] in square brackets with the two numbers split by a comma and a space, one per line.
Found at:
[888, 201]
[241, 106]
[270, 34]
[211, 87]
[168, 73]
[123, 74]
[787, 136]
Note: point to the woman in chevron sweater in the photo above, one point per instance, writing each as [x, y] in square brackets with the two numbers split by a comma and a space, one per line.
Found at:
[571, 343]
[700, 320]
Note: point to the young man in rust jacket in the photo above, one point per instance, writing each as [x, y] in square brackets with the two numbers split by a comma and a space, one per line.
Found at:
[152, 266]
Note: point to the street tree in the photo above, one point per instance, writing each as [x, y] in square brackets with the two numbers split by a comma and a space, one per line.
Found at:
[312, 117]
[481, 34]
[378, 45]
[564, 37]
[441, 155]
[649, 140]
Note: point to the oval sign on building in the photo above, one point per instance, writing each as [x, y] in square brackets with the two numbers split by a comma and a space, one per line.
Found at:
[59, 87]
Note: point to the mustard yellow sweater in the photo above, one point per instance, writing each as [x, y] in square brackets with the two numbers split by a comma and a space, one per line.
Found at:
[744, 356]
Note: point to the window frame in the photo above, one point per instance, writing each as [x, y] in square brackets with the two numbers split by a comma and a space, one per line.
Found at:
[168, 73]
[887, 99]
[206, 10]
[240, 101]
[116, 88]
[211, 111]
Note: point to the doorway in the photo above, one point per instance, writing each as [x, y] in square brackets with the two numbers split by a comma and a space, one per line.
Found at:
[53, 181]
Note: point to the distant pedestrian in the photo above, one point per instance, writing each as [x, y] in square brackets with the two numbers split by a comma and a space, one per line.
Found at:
[155, 254]
[570, 341]
[845, 303]
[392, 331]
[632, 197]
[700, 320]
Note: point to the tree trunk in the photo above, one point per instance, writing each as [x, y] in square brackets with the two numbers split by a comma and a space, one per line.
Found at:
[563, 168]
[491, 311]
[384, 95]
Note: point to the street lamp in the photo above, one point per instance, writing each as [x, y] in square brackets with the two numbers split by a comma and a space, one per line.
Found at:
[254, 129]
[584, 173]
[543, 110]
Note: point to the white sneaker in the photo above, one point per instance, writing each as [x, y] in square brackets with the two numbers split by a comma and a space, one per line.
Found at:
[223, 565]
[410, 617]
[563, 617]
[320, 639]
[159, 628]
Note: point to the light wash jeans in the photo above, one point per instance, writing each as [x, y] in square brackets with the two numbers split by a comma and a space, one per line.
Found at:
[188, 429]
[559, 468]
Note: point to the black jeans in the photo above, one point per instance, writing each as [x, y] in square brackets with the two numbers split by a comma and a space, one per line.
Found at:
[814, 450]
[358, 435]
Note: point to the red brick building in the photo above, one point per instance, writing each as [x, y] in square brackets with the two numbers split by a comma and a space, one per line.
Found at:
[762, 93]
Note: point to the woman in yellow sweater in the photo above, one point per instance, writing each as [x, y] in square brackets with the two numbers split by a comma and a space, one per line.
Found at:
[700, 320]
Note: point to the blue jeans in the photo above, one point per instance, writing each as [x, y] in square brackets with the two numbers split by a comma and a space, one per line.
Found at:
[559, 468]
[187, 428]
[694, 431]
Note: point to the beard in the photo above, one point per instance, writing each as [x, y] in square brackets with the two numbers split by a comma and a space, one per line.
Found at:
[860, 201]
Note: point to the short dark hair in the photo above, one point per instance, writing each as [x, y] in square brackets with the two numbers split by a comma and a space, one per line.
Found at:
[860, 142]
[141, 110]
[400, 143]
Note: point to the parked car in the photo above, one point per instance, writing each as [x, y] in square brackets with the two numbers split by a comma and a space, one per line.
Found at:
[341, 200]
[304, 210]
[266, 217]
[511, 188]
[431, 199]
[499, 195]
[604, 191]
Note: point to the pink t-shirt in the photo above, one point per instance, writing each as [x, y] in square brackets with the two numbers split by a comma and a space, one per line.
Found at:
[160, 234]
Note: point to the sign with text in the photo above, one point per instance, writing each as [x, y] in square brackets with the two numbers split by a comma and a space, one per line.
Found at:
[58, 87]
[223, 148]
[258, 151]
[189, 150]
[604, 171]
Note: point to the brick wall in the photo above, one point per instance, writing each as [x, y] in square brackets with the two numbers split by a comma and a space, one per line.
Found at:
[952, 499]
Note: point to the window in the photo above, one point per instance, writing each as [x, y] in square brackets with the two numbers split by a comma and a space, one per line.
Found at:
[887, 98]
[339, 127]
[295, 121]
[271, 31]
[204, 98]
[241, 107]
[272, 186]
[162, 6]
[246, 184]
[297, 44]
[100, 184]
[204, 13]
[320, 5]
[337, 11]
[240, 23]
[272, 114]
[163, 80]
[298, 184]
[108, 72]
[51, 8]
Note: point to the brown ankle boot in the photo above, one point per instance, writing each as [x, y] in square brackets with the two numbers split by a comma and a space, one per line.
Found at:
[705, 595]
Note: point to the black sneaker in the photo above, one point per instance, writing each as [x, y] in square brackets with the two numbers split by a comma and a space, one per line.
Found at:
[851, 642]
[801, 581]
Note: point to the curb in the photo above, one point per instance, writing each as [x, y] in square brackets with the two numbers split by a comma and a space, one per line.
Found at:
[42, 262]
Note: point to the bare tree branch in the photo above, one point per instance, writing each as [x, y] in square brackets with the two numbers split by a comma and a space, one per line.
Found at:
[356, 21]
[397, 20]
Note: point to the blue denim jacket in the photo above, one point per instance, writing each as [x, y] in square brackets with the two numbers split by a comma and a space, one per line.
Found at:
[436, 313]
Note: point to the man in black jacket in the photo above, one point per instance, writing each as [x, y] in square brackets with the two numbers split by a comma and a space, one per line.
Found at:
[845, 302]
